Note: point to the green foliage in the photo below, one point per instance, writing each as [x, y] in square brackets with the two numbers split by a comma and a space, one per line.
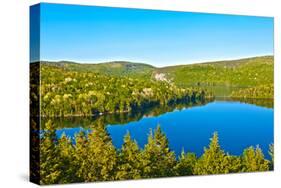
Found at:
[253, 160]
[158, 160]
[263, 91]
[185, 164]
[68, 92]
[118, 118]
[244, 72]
[129, 163]
[66, 155]
[116, 68]
[49, 157]
[271, 153]
[79, 155]
[68, 88]
[213, 160]
[234, 163]
[92, 157]
[98, 154]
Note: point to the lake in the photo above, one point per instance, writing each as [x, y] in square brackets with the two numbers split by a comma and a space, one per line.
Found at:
[239, 124]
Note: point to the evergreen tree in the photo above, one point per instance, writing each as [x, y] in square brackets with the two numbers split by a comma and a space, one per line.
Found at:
[92, 157]
[80, 155]
[253, 160]
[68, 168]
[157, 158]
[129, 163]
[49, 156]
[185, 164]
[213, 160]
[234, 163]
[271, 153]
[97, 156]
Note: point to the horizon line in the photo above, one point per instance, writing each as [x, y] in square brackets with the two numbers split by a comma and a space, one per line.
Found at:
[189, 62]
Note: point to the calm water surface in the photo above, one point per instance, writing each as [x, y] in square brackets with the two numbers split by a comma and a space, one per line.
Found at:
[239, 125]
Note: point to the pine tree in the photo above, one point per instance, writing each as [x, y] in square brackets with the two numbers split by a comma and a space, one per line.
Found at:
[185, 164]
[129, 162]
[253, 160]
[213, 160]
[271, 153]
[80, 156]
[68, 167]
[94, 158]
[157, 159]
[234, 163]
[97, 156]
[49, 156]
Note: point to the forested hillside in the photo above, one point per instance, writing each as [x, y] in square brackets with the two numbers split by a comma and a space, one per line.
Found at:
[245, 72]
[114, 68]
[258, 92]
[69, 88]
[67, 91]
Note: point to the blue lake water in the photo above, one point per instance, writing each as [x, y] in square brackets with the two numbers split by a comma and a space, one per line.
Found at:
[239, 125]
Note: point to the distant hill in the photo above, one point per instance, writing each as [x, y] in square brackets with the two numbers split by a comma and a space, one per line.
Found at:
[242, 72]
[243, 62]
[116, 68]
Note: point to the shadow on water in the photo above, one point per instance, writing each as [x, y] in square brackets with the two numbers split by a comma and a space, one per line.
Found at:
[267, 103]
[120, 118]
[125, 118]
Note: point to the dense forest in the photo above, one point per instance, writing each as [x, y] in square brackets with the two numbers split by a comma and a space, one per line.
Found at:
[66, 92]
[120, 92]
[93, 157]
[249, 72]
[254, 76]
[258, 92]
[246, 72]
[69, 88]
[115, 68]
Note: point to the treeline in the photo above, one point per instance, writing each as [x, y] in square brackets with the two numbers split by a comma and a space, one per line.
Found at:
[256, 73]
[259, 92]
[241, 73]
[67, 93]
[262, 102]
[93, 157]
[118, 118]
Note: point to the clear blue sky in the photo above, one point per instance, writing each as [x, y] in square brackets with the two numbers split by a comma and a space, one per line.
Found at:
[98, 34]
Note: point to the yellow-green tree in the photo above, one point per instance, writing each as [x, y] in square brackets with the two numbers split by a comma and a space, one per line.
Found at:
[129, 160]
[92, 157]
[68, 167]
[234, 163]
[50, 161]
[80, 156]
[97, 156]
[185, 164]
[157, 158]
[271, 153]
[214, 160]
[253, 160]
